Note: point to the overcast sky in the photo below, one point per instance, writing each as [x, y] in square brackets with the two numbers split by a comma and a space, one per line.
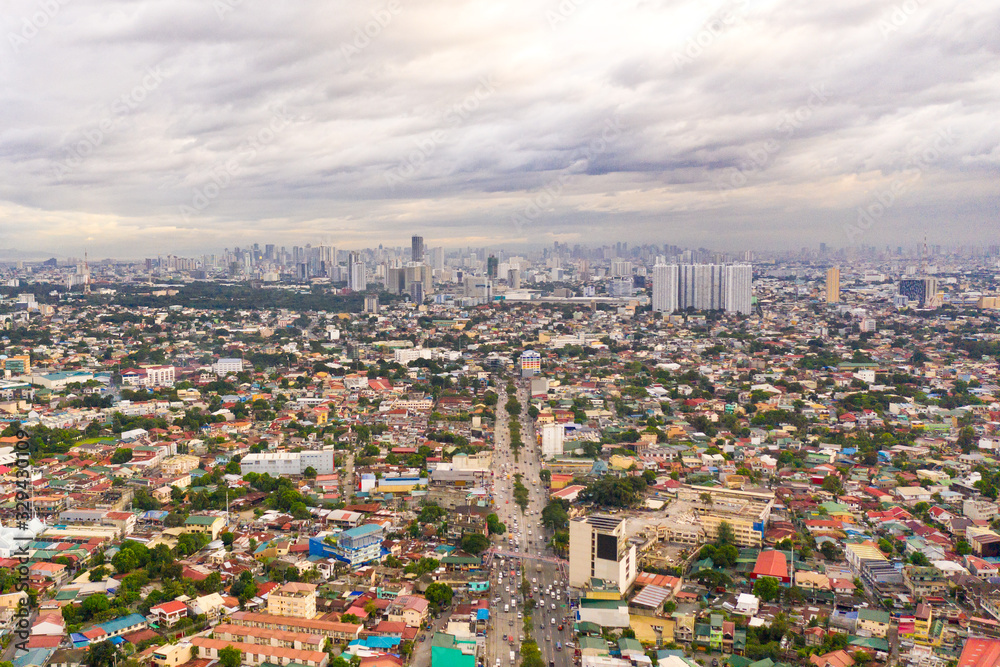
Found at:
[137, 127]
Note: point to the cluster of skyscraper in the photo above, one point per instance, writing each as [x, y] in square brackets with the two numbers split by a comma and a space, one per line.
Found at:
[727, 287]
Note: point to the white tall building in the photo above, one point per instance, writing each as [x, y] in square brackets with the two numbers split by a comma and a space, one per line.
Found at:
[356, 274]
[665, 287]
[738, 282]
[621, 268]
[599, 548]
[700, 286]
[713, 287]
[553, 436]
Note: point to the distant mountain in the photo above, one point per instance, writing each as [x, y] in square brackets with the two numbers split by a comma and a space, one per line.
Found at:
[13, 254]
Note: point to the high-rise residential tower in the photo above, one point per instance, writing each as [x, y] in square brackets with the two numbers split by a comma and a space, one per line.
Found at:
[665, 287]
[737, 282]
[356, 275]
[833, 285]
[417, 249]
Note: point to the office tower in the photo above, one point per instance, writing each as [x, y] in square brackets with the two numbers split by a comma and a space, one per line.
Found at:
[833, 285]
[599, 548]
[371, 304]
[621, 268]
[356, 276]
[738, 288]
[437, 258]
[417, 249]
[418, 273]
[395, 280]
[514, 278]
[492, 264]
[665, 288]
[921, 290]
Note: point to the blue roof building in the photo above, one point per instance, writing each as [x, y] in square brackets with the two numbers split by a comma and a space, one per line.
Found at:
[356, 546]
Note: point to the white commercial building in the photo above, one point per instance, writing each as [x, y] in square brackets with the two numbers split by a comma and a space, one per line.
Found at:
[553, 436]
[406, 355]
[277, 464]
[226, 366]
[160, 376]
[600, 549]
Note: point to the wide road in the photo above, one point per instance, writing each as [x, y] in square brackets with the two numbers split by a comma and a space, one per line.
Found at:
[528, 542]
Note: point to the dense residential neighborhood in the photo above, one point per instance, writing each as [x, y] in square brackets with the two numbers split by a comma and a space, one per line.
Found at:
[559, 472]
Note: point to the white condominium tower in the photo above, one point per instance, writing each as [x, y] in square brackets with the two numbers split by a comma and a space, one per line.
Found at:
[664, 287]
[726, 287]
[737, 288]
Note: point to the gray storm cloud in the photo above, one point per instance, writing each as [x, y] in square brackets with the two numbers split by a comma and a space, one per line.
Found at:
[189, 125]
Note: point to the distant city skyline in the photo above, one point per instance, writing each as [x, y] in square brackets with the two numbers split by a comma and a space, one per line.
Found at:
[746, 124]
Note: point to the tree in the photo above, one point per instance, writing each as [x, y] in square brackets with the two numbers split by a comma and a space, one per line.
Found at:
[766, 588]
[832, 484]
[309, 472]
[475, 543]
[439, 594]
[121, 455]
[98, 573]
[95, 604]
[918, 558]
[555, 515]
[830, 551]
[496, 527]
[725, 534]
[124, 562]
[102, 654]
[230, 656]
